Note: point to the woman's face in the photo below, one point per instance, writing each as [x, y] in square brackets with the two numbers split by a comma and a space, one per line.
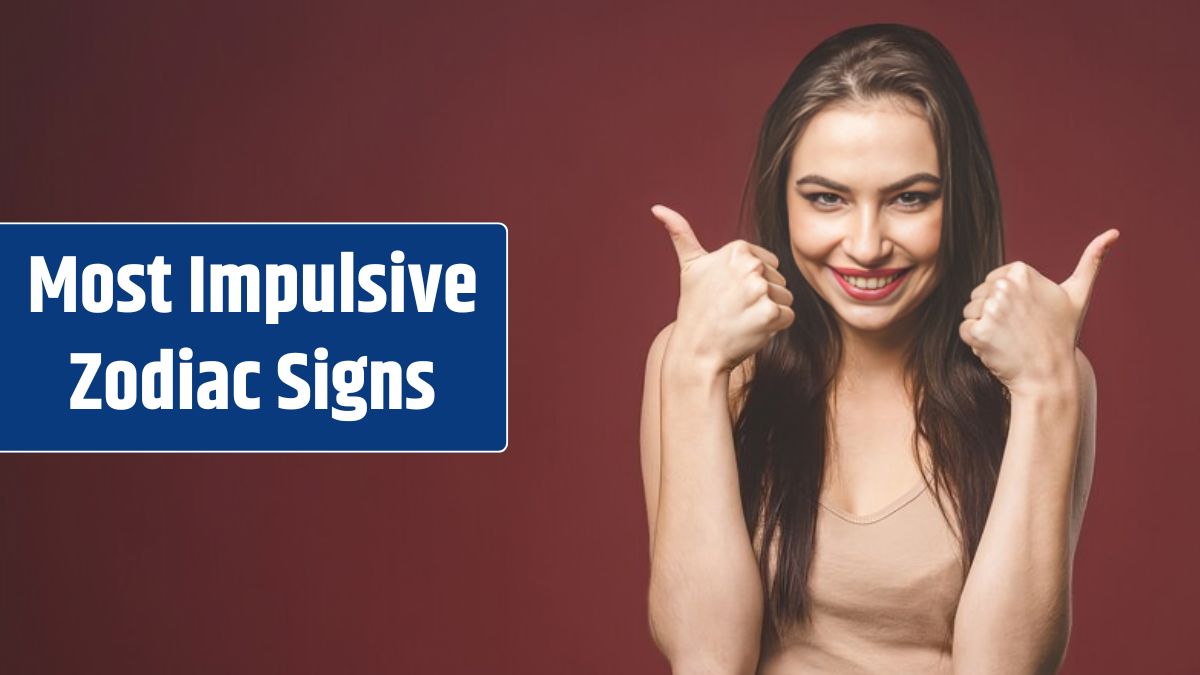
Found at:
[864, 201]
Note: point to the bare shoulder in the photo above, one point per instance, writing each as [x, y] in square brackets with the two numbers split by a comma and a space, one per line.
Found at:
[649, 435]
[1086, 458]
[658, 346]
[1087, 378]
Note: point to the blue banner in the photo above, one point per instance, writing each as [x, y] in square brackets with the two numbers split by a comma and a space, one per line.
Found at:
[254, 337]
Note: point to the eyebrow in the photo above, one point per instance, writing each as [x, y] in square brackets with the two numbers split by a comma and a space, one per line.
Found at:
[898, 185]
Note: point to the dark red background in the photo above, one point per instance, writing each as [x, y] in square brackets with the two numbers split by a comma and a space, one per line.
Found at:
[566, 121]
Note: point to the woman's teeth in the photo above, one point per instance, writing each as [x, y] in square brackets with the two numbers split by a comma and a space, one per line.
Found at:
[870, 284]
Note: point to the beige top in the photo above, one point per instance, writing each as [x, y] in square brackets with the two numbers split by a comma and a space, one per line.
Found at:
[884, 589]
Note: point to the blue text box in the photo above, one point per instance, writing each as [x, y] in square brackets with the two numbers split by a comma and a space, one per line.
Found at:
[464, 389]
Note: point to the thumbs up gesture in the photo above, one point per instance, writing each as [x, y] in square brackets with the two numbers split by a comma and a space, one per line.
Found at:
[1024, 327]
[731, 300]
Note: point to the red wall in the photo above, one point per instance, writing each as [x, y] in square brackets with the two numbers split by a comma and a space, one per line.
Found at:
[566, 121]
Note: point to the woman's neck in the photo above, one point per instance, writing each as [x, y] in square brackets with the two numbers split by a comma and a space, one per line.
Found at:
[875, 360]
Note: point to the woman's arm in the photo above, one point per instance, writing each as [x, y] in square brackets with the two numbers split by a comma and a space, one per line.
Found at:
[1014, 615]
[705, 599]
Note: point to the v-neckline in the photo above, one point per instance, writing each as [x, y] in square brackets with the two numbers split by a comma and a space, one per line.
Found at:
[879, 514]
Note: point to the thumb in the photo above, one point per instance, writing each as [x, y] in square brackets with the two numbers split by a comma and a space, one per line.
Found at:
[1079, 285]
[687, 247]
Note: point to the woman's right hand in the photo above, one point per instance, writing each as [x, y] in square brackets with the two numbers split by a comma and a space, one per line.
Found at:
[731, 301]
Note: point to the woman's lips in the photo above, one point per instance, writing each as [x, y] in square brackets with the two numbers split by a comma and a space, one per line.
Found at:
[870, 274]
[870, 294]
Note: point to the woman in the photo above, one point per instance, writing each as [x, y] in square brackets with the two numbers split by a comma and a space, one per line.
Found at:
[866, 442]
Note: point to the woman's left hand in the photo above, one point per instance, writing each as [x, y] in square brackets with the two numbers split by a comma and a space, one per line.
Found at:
[1024, 327]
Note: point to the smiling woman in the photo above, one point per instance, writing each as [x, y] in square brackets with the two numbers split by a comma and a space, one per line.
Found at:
[869, 248]
[866, 441]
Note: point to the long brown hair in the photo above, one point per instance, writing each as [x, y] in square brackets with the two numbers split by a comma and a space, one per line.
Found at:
[960, 408]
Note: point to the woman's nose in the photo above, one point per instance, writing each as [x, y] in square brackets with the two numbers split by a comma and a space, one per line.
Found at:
[866, 241]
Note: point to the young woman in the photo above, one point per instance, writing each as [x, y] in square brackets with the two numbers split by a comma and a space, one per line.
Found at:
[866, 442]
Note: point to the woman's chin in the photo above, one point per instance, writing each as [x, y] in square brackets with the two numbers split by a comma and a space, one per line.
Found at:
[868, 319]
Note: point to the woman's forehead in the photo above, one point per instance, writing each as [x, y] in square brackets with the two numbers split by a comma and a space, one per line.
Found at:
[866, 145]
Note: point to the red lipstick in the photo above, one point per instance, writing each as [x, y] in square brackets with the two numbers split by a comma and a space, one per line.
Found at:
[870, 274]
[873, 293]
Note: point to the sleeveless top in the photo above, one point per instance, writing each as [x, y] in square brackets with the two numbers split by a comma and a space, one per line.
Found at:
[883, 590]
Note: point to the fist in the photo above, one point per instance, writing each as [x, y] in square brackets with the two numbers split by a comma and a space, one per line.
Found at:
[731, 300]
[1024, 327]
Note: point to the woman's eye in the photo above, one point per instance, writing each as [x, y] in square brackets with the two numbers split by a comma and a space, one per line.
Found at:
[908, 200]
[914, 198]
[817, 198]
